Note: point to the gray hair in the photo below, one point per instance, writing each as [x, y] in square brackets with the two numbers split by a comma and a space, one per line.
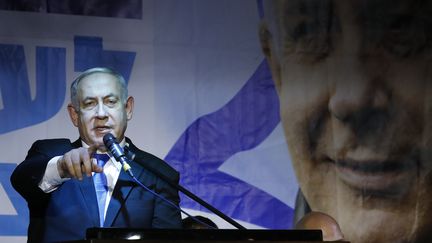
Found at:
[88, 72]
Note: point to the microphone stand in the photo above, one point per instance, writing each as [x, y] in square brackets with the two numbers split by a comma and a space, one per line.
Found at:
[188, 193]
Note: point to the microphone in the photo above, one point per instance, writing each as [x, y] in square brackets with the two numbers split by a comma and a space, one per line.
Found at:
[116, 150]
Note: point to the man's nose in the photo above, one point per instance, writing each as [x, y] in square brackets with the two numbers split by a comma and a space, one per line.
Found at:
[101, 111]
[361, 102]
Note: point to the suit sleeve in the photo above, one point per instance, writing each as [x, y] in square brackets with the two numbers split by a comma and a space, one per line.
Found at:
[165, 215]
[27, 175]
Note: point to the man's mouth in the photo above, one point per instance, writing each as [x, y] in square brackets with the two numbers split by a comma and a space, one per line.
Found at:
[376, 177]
[102, 129]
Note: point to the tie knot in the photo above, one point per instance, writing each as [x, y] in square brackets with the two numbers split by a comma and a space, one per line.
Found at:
[101, 159]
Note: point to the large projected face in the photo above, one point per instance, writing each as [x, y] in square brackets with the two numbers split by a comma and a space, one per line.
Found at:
[354, 82]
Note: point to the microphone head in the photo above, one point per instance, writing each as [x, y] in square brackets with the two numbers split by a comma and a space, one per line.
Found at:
[113, 147]
[109, 139]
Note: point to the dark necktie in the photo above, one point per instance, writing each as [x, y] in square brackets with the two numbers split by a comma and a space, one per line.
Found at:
[101, 186]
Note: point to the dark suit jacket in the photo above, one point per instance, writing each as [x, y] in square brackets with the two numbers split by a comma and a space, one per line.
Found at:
[67, 212]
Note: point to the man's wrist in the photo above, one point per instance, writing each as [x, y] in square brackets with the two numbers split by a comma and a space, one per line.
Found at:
[51, 178]
[59, 167]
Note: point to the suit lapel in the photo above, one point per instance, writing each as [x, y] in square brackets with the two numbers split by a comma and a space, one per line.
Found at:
[77, 143]
[88, 192]
[121, 191]
[89, 196]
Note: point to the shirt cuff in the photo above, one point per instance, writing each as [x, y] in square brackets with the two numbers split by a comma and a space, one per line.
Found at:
[51, 180]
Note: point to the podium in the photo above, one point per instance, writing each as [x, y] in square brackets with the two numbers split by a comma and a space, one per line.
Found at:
[127, 235]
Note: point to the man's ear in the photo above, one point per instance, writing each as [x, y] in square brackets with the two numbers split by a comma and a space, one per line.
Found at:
[73, 114]
[269, 51]
[129, 107]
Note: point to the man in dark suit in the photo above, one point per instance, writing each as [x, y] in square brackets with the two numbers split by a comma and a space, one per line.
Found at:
[59, 178]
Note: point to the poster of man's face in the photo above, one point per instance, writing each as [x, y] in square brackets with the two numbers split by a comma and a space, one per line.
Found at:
[354, 82]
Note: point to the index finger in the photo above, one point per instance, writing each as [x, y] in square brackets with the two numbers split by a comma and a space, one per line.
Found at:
[93, 166]
[87, 160]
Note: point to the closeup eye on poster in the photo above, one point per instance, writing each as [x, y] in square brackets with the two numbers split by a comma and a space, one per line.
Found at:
[267, 109]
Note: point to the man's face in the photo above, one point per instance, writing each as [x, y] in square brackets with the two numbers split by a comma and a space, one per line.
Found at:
[354, 82]
[101, 109]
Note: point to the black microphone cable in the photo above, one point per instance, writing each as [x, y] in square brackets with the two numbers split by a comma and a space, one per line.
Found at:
[170, 203]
